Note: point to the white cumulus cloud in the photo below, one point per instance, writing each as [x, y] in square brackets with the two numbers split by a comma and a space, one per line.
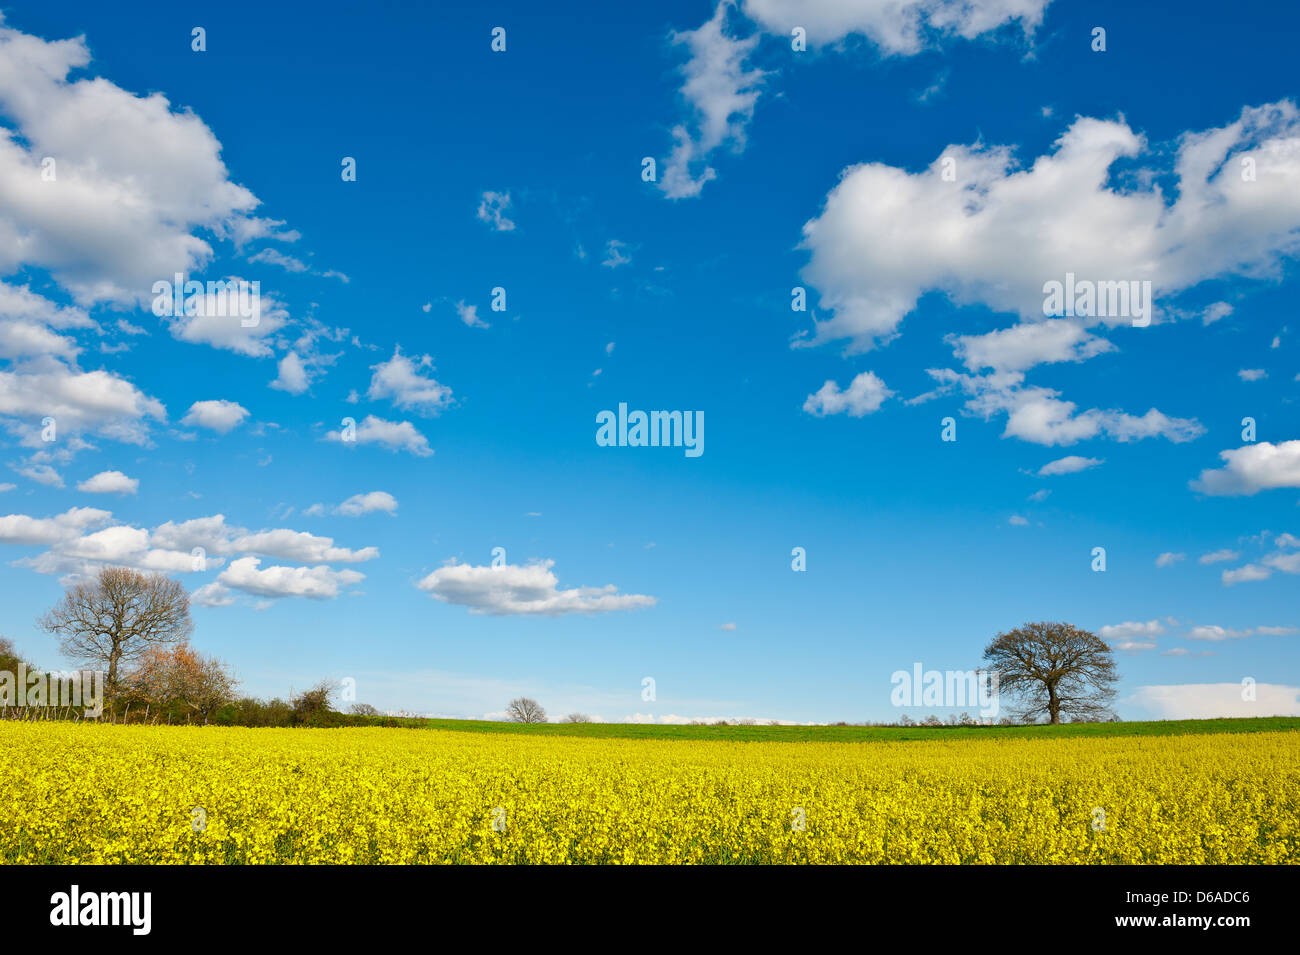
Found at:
[995, 233]
[318, 583]
[368, 503]
[531, 589]
[865, 394]
[216, 415]
[393, 435]
[109, 482]
[1252, 468]
[1070, 464]
[402, 381]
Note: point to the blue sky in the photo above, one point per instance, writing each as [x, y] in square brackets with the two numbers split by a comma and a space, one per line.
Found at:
[775, 168]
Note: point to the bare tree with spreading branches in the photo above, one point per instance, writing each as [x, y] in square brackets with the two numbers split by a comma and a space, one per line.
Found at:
[576, 718]
[1054, 670]
[524, 710]
[113, 618]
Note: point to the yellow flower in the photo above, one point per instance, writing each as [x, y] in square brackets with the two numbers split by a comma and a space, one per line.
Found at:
[86, 793]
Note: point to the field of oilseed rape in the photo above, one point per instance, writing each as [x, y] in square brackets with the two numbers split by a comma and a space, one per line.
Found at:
[103, 793]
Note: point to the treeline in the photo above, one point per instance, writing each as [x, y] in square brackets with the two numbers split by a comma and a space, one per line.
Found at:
[168, 685]
[129, 631]
[311, 708]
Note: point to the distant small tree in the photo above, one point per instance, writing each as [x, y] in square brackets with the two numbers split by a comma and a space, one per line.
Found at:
[211, 686]
[312, 706]
[9, 658]
[1054, 670]
[364, 709]
[9, 663]
[524, 710]
[576, 718]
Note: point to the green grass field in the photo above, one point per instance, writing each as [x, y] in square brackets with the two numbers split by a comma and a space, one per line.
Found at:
[866, 734]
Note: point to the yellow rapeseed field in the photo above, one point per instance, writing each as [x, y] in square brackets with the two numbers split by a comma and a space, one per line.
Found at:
[89, 793]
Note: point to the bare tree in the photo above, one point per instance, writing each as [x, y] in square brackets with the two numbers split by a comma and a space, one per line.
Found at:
[1054, 670]
[525, 710]
[209, 686]
[113, 618]
[576, 718]
[364, 709]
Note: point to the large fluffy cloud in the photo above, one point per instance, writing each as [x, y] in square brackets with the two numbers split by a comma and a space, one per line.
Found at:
[97, 401]
[22, 529]
[318, 583]
[983, 230]
[1253, 468]
[82, 540]
[44, 381]
[531, 589]
[73, 548]
[994, 232]
[134, 177]
[219, 325]
[216, 536]
[110, 192]
[30, 325]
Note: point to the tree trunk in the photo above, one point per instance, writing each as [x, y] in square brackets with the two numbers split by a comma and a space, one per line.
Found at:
[113, 656]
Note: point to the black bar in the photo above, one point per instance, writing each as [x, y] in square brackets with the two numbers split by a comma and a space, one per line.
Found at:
[340, 905]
